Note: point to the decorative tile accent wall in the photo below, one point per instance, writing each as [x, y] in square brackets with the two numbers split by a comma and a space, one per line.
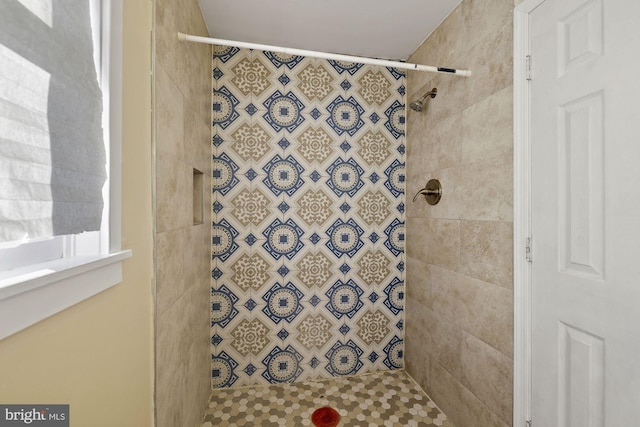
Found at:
[309, 226]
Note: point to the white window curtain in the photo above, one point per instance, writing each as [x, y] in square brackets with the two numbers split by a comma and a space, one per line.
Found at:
[52, 152]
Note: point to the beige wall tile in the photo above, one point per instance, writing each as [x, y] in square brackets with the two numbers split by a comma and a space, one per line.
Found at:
[169, 368]
[179, 58]
[197, 358]
[444, 342]
[487, 373]
[198, 85]
[176, 385]
[442, 243]
[167, 46]
[415, 238]
[437, 143]
[170, 283]
[197, 134]
[480, 308]
[481, 17]
[169, 115]
[432, 335]
[461, 405]
[198, 367]
[183, 142]
[434, 241]
[486, 251]
[490, 59]
[486, 190]
[487, 128]
[169, 188]
[417, 281]
[465, 140]
[197, 255]
[179, 329]
[419, 208]
[420, 370]
[416, 356]
[173, 193]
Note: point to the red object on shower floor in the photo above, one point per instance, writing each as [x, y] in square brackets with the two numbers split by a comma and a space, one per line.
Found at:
[325, 417]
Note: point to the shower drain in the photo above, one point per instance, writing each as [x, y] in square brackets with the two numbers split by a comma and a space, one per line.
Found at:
[325, 417]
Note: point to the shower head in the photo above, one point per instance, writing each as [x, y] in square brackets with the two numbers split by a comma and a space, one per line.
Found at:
[417, 105]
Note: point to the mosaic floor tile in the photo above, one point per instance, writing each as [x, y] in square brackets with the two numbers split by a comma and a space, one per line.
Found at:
[390, 399]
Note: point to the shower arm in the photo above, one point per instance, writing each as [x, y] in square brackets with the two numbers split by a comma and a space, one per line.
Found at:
[324, 55]
[432, 93]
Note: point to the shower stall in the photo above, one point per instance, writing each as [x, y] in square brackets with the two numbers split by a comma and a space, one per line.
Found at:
[303, 260]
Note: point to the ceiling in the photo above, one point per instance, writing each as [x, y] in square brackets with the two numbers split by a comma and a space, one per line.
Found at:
[389, 29]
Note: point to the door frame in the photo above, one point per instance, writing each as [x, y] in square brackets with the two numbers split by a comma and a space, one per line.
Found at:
[522, 278]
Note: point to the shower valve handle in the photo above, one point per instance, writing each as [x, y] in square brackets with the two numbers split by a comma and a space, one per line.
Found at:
[426, 192]
[432, 192]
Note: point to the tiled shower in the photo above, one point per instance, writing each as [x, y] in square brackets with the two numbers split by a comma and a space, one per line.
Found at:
[309, 226]
[455, 324]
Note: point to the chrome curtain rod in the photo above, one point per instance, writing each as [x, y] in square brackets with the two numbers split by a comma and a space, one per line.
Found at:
[324, 55]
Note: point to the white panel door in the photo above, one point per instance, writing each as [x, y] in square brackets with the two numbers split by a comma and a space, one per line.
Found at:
[585, 207]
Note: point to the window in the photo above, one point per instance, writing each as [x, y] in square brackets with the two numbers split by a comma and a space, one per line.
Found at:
[60, 109]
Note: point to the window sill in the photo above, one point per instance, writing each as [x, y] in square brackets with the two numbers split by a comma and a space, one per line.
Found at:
[36, 292]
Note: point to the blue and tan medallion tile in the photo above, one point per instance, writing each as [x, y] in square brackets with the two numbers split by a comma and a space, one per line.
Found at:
[346, 74]
[283, 111]
[373, 327]
[252, 140]
[373, 207]
[345, 177]
[309, 190]
[226, 174]
[252, 77]
[228, 112]
[283, 304]
[316, 207]
[313, 143]
[315, 270]
[374, 147]
[283, 175]
[283, 364]
[251, 272]
[224, 371]
[250, 337]
[374, 87]
[345, 116]
[316, 82]
[373, 267]
[395, 119]
[314, 331]
[225, 58]
[250, 207]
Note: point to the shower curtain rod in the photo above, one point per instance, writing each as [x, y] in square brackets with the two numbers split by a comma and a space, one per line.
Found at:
[324, 55]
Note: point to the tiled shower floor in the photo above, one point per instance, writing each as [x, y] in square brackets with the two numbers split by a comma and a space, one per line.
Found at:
[389, 398]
